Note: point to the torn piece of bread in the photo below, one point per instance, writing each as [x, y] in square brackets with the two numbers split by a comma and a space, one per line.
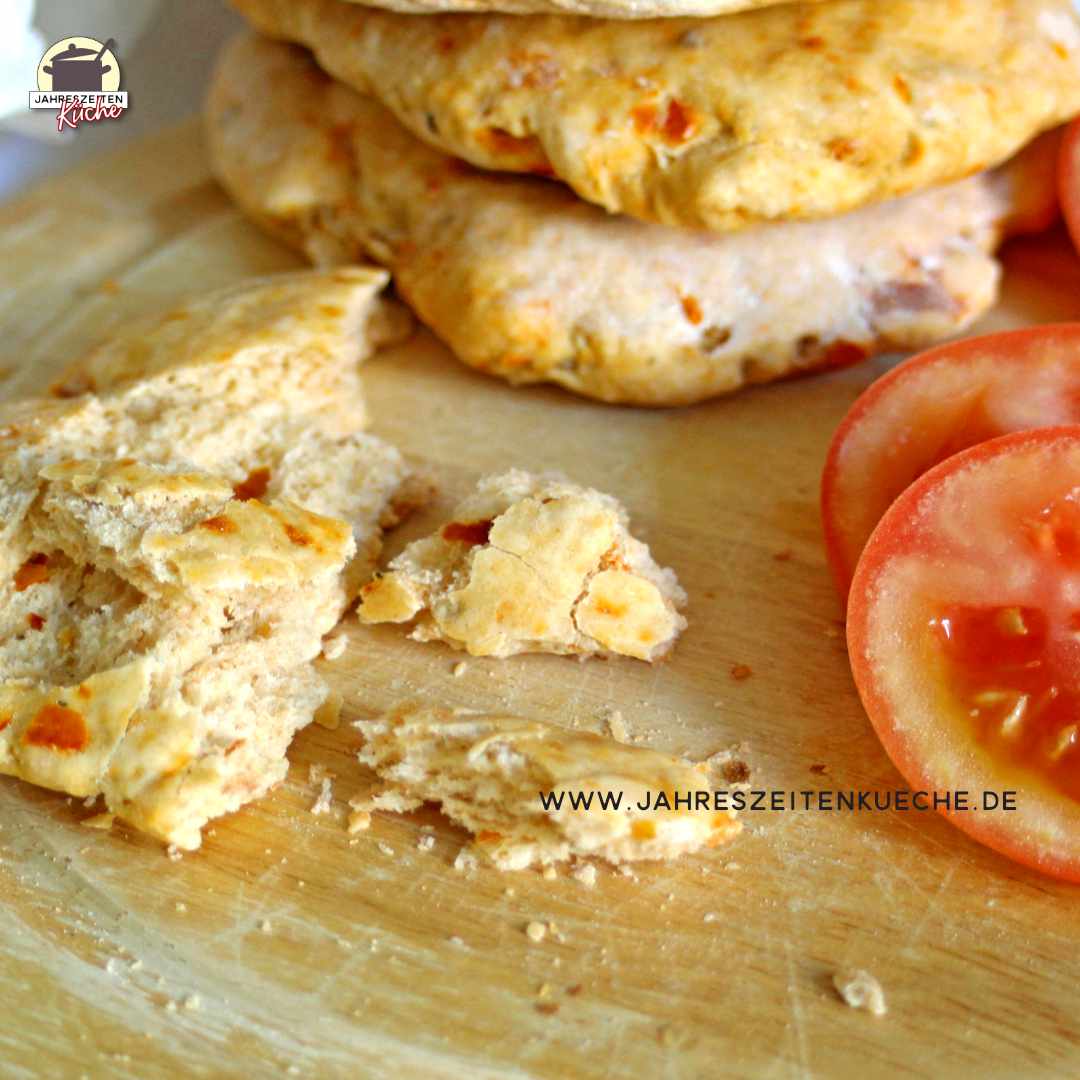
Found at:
[488, 774]
[155, 638]
[257, 383]
[532, 564]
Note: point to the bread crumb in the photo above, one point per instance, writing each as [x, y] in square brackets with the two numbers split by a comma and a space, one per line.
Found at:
[860, 990]
[549, 872]
[459, 669]
[324, 802]
[741, 672]
[457, 942]
[585, 874]
[335, 645]
[617, 727]
[192, 1003]
[359, 820]
[112, 966]
[465, 861]
[385, 848]
[710, 916]
[536, 931]
[88, 802]
[174, 853]
[265, 926]
[328, 714]
[98, 821]
[425, 842]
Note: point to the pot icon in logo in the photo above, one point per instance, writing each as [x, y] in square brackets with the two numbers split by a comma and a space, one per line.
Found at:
[79, 65]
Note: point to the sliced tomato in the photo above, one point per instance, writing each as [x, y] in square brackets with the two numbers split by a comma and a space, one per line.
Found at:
[1069, 180]
[933, 406]
[964, 638]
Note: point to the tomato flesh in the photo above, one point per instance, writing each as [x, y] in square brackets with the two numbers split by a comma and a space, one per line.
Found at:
[964, 639]
[1014, 669]
[1022, 704]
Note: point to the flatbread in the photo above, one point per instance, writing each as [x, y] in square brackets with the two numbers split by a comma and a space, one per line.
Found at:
[608, 9]
[794, 112]
[523, 280]
[154, 638]
[174, 544]
[532, 564]
[258, 383]
[487, 773]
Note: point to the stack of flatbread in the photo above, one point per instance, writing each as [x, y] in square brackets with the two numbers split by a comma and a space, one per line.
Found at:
[655, 201]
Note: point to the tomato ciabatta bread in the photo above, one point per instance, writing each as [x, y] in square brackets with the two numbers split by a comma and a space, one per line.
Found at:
[488, 773]
[174, 544]
[795, 112]
[155, 637]
[525, 281]
[532, 564]
[258, 383]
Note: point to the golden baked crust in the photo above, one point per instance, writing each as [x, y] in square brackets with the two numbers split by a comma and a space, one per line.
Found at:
[792, 112]
[155, 632]
[257, 383]
[487, 773]
[532, 564]
[524, 280]
[174, 545]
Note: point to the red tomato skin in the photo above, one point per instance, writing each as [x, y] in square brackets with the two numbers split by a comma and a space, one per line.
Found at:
[1069, 180]
[888, 539]
[1019, 344]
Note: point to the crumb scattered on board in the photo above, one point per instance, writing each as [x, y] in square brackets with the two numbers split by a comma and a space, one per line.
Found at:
[359, 820]
[617, 727]
[325, 800]
[585, 874]
[536, 931]
[335, 645]
[98, 821]
[860, 990]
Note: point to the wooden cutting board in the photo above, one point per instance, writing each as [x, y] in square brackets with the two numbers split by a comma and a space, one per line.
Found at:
[285, 947]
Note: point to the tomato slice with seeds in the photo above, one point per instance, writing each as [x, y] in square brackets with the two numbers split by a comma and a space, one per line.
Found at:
[933, 406]
[964, 639]
[1069, 180]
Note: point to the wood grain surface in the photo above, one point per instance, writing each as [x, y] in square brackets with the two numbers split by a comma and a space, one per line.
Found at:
[287, 948]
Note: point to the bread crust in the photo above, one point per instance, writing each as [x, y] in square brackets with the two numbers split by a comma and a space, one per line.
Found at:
[525, 281]
[792, 112]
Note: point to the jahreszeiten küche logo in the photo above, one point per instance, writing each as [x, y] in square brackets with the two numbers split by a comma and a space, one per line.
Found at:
[79, 79]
